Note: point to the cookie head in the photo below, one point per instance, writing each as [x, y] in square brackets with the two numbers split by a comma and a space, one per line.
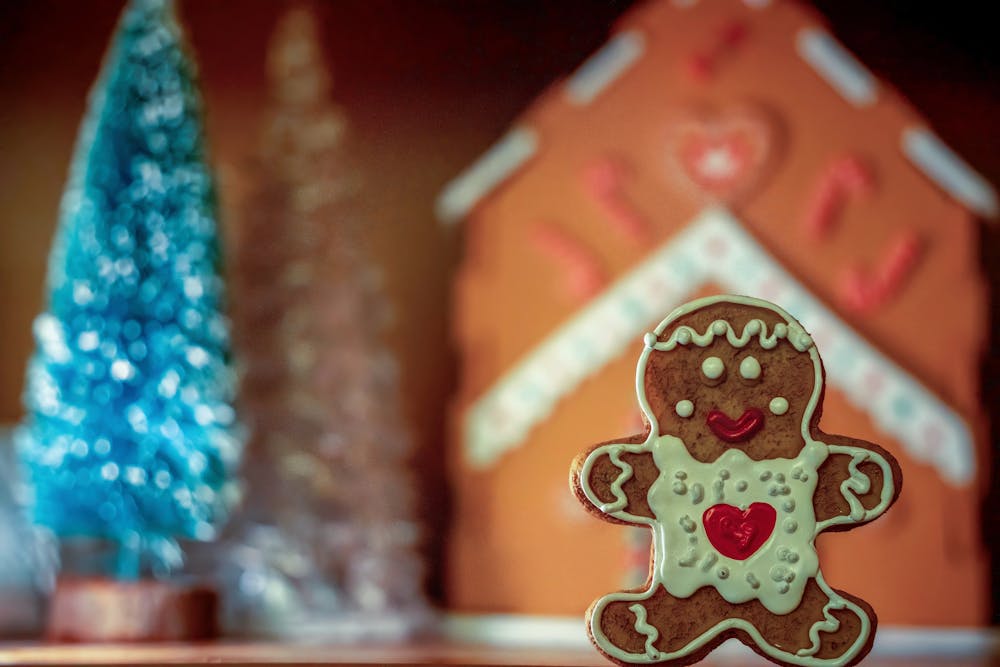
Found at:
[731, 372]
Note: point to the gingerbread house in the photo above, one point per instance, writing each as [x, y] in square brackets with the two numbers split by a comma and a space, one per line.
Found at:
[709, 147]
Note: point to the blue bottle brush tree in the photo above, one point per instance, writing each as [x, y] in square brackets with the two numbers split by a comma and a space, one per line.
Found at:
[130, 436]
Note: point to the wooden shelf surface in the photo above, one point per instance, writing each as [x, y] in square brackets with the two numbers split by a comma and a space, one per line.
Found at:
[415, 654]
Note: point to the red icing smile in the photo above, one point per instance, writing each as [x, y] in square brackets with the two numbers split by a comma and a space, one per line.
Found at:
[738, 430]
[738, 534]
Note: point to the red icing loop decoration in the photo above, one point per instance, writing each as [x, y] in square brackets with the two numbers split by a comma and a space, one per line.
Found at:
[584, 275]
[864, 292]
[604, 181]
[738, 430]
[701, 66]
[845, 178]
[738, 534]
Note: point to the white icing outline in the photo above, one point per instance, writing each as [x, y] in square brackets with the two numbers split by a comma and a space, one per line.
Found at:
[856, 483]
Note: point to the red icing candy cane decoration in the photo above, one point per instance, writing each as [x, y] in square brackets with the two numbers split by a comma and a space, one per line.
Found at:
[701, 66]
[845, 178]
[604, 181]
[863, 291]
[585, 276]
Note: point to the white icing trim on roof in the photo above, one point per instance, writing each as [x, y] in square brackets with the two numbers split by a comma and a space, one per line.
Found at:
[837, 66]
[943, 166]
[492, 168]
[605, 67]
[501, 419]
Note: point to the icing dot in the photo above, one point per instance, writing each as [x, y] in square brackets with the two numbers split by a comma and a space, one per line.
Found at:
[724, 474]
[790, 525]
[708, 561]
[684, 408]
[680, 474]
[680, 488]
[719, 327]
[780, 330]
[789, 505]
[722, 573]
[750, 368]
[793, 557]
[777, 572]
[778, 405]
[713, 368]
[697, 493]
[779, 478]
[766, 475]
[783, 553]
[752, 580]
[741, 485]
[783, 587]
[693, 540]
[800, 339]
[687, 524]
[753, 327]
[683, 336]
[717, 487]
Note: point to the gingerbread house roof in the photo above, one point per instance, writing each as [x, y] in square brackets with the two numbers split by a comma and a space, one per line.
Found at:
[847, 190]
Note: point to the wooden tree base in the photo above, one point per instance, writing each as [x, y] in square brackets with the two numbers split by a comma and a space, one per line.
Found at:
[105, 610]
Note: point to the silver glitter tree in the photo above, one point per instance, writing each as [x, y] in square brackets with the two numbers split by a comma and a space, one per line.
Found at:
[327, 542]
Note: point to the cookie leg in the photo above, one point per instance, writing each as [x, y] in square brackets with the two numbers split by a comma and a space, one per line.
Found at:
[830, 628]
[650, 626]
[846, 633]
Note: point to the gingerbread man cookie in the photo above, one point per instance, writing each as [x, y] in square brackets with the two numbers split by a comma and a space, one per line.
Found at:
[736, 480]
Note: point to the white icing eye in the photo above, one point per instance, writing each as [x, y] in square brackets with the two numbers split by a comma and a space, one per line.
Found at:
[750, 368]
[778, 405]
[684, 408]
[713, 368]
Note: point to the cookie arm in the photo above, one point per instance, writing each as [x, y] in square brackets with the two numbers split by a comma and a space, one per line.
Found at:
[614, 480]
[857, 483]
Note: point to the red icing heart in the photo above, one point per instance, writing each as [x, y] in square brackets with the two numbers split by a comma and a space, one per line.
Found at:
[738, 534]
[735, 430]
[724, 156]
